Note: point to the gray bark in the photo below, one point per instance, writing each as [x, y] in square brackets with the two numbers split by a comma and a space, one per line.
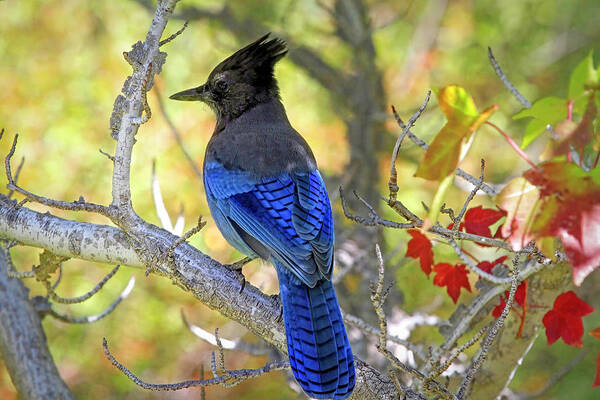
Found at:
[23, 346]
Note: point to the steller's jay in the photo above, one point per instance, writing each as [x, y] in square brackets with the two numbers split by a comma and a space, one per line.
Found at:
[268, 200]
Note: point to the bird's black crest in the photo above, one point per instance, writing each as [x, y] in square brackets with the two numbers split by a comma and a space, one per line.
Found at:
[260, 55]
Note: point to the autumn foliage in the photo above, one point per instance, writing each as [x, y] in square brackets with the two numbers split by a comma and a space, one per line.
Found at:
[559, 197]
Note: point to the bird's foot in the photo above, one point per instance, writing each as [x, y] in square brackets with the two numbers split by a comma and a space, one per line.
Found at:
[237, 267]
[278, 299]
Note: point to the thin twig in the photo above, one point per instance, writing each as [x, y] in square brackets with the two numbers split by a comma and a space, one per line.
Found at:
[111, 158]
[371, 330]
[58, 278]
[16, 179]
[459, 172]
[186, 236]
[393, 181]
[485, 275]
[11, 271]
[79, 205]
[493, 331]
[94, 318]
[239, 374]
[79, 299]
[505, 80]
[458, 219]
[374, 219]
[459, 351]
[173, 36]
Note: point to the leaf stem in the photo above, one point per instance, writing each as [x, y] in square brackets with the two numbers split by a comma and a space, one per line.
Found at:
[515, 146]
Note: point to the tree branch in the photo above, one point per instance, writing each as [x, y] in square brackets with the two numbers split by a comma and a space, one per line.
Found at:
[23, 347]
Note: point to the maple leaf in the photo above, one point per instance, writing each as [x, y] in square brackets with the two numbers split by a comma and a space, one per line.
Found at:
[443, 155]
[479, 219]
[564, 320]
[569, 207]
[520, 299]
[420, 247]
[453, 277]
[488, 266]
[518, 199]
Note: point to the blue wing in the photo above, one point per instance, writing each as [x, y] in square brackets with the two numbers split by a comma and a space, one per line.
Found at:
[286, 217]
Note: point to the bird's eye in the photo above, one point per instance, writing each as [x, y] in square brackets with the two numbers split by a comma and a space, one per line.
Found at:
[221, 85]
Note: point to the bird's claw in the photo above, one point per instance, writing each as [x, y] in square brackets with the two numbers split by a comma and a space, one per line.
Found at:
[237, 267]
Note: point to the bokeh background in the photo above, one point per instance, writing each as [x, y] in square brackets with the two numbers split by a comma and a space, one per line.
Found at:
[61, 67]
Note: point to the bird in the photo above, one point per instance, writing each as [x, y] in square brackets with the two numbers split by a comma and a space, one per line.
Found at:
[268, 199]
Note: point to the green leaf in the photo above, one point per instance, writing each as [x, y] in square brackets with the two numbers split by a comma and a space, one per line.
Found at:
[584, 74]
[455, 102]
[534, 129]
[546, 109]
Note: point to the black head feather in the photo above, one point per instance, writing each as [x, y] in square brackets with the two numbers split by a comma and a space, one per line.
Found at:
[259, 57]
[242, 80]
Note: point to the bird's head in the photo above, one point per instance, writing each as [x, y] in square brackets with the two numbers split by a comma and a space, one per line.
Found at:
[242, 80]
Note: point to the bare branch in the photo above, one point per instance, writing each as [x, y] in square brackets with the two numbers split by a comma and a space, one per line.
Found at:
[79, 205]
[111, 158]
[459, 351]
[173, 36]
[459, 172]
[94, 318]
[79, 299]
[146, 61]
[186, 236]
[371, 330]
[493, 331]
[458, 219]
[505, 80]
[393, 181]
[241, 374]
[487, 276]
[374, 219]
[16, 178]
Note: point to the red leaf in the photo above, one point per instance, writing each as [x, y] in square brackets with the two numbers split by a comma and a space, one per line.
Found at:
[453, 277]
[520, 299]
[597, 381]
[488, 266]
[570, 209]
[420, 247]
[497, 311]
[479, 219]
[595, 333]
[564, 320]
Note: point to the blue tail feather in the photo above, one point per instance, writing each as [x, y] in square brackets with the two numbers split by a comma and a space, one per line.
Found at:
[318, 347]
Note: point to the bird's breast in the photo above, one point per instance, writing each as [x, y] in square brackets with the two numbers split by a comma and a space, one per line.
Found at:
[263, 149]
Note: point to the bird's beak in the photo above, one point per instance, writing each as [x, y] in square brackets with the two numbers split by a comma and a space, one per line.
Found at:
[194, 94]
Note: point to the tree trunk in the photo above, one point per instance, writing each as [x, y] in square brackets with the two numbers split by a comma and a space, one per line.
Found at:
[23, 345]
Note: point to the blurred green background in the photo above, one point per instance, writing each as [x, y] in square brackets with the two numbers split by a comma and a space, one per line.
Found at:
[61, 67]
